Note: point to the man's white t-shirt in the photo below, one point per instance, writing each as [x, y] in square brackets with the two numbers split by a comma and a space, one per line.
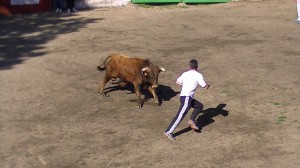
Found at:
[190, 81]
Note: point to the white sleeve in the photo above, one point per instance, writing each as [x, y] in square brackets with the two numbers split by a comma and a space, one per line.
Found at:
[201, 81]
[180, 80]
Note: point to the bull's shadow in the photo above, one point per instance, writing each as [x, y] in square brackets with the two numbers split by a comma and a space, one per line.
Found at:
[164, 93]
[206, 118]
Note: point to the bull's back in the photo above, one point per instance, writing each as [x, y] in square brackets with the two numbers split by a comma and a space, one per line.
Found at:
[126, 68]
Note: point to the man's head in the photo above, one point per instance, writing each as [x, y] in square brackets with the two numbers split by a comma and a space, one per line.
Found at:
[193, 64]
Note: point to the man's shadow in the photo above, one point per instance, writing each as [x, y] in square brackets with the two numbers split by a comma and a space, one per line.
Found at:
[206, 118]
[164, 93]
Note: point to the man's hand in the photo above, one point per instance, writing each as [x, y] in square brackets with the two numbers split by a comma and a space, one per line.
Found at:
[207, 86]
[179, 82]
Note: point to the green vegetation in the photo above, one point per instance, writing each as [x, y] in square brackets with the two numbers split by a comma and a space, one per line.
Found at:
[280, 119]
[280, 104]
[226, 91]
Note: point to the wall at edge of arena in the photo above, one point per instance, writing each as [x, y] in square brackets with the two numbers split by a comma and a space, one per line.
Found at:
[99, 3]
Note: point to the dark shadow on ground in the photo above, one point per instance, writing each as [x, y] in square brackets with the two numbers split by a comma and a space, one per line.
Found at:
[126, 87]
[24, 36]
[206, 119]
[164, 93]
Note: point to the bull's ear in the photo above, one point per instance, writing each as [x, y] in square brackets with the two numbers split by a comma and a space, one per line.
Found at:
[161, 69]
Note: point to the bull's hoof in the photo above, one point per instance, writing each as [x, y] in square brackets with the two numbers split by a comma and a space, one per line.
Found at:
[140, 105]
[104, 95]
[157, 102]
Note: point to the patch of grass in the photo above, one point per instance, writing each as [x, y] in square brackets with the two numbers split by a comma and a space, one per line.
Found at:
[281, 119]
[276, 103]
[225, 91]
[281, 104]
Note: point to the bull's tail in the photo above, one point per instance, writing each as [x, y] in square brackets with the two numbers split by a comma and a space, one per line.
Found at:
[102, 67]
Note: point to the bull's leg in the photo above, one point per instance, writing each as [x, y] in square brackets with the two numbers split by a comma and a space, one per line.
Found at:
[138, 94]
[102, 84]
[115, 80]
[152, 91]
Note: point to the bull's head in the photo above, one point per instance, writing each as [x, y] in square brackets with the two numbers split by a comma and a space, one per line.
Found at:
[151, 74]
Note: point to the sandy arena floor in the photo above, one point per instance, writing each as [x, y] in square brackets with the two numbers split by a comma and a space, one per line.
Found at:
[52, 115]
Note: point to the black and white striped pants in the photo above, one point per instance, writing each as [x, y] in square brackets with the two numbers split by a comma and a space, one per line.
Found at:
[186, 104]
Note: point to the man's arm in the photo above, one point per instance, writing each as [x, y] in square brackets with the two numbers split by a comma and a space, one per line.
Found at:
[202, 82]
[179, 80]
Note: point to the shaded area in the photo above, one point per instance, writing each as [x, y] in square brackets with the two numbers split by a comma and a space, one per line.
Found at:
[164, 93]
[24, 36]
[206, 118]
[119, 86]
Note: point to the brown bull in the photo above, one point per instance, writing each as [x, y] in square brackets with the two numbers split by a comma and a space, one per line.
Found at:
[131, 70]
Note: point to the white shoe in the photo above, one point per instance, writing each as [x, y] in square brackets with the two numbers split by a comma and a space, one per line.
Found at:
[69, 11]
[74, 10]
[297, 20]
[193, 125]
[170, 136]
[58, 10]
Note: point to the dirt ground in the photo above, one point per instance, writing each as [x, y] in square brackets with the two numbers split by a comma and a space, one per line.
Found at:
[52, 115]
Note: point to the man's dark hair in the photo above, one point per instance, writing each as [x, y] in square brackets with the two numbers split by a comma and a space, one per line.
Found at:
[193, 64]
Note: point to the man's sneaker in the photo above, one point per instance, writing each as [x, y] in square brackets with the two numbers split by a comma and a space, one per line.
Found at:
[193, 125]
[69, 11]
[297, 20]
[58, 10]
[170, 136]
[74, 10]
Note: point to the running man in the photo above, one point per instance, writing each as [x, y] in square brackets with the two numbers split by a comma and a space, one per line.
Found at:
[189, 80]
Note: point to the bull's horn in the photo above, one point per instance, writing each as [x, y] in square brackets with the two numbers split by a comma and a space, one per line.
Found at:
[162, 69]
[144, 69]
